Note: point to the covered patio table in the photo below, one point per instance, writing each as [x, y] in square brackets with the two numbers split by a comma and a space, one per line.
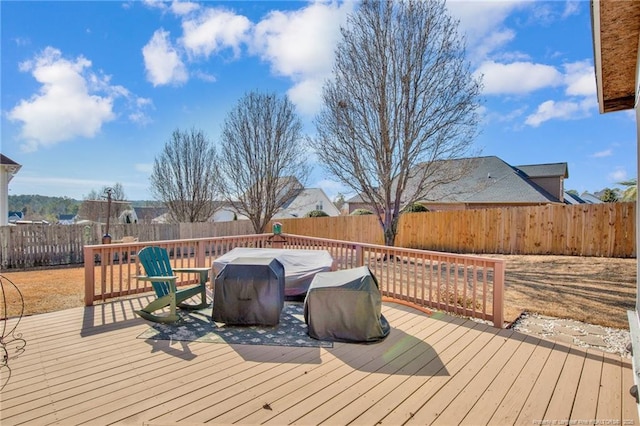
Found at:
[300, 266]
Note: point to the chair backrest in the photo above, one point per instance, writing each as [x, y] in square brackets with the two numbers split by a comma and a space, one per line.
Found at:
[156, 263]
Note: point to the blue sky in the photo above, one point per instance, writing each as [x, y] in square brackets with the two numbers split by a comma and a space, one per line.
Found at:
[91, 91]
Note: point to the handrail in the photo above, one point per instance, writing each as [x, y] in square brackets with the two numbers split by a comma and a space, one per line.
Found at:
[467, 285]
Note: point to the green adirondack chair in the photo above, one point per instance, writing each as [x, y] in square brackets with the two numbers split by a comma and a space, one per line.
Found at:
[157, 267]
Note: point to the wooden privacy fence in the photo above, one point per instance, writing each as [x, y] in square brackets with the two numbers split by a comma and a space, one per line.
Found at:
[606, 230]
[468, 285]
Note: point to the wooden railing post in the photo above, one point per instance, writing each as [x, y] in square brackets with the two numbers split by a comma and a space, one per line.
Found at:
[498, 294]
[277, 241]
[89, 275]
[359, 255]
[200, 253]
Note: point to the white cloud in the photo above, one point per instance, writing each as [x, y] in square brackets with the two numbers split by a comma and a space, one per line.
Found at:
[618, 175]
[571, 8]
[307, 96]
[183, 7]
[22, 41]
[482, 22]
[562, 110]
[300, 45]
[580, 87]
[517, 77]
[140, 118]
[66, 105]
[162, 61]
[138, 106]
[214, 30]
[492, 42]
[502, 116]
[156, 4]
[580, 79]
[602, 154]
[204, 76]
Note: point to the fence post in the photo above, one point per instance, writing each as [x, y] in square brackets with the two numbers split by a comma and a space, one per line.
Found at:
[498, 294]
[89, 276]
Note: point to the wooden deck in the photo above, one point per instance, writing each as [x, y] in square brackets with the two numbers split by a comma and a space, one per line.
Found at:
[87, 365]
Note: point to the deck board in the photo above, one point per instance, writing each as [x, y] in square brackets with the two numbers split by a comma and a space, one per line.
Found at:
[86, 365]
[564, 393]
[509, 409]
[610, 407]
[586, 401]
[538, 400]
[455, 410]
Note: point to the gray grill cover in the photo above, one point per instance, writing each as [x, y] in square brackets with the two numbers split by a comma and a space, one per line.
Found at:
[345, 306]
[249, 291]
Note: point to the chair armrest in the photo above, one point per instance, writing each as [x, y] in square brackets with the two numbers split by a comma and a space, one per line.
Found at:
[194, 269]
[161, 278]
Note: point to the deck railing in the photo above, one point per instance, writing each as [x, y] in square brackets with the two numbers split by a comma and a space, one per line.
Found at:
[471, 286]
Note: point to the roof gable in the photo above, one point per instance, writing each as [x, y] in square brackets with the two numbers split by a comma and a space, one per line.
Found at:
[306, 200]
[489, 180]
[546, 170]
[7, 161]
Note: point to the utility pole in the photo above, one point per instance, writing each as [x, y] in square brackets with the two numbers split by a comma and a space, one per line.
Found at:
[106, 238]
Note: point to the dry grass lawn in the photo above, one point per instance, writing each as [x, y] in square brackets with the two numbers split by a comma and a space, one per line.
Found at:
[594, 290]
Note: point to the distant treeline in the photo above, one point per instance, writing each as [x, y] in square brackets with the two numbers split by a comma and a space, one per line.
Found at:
[37, 207]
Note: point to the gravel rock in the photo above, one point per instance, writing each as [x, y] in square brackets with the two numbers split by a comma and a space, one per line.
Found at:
[582, 334]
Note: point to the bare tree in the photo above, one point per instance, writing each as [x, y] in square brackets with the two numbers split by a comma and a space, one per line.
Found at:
[263, 159]
[184, 176]
[117, 193]
[106, 204]
[402, 98]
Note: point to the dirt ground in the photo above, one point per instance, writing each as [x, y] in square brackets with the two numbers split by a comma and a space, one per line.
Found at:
[593, 290]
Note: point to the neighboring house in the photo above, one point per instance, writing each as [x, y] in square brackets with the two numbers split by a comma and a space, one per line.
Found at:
[149, 214]
[163, 218]
[98, 210]
[356, 202]
[66, 219]
[490, 182]
[8, 168]
[571, 198]
[15, 216]
[590, 198]
[304, 201]
[548, 176]
[226, 213]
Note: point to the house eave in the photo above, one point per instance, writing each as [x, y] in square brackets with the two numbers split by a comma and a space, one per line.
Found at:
[616, 40]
